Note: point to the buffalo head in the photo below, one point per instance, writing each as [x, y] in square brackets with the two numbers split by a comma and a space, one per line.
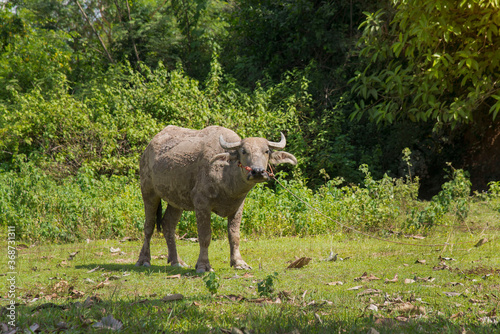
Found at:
[254, 154]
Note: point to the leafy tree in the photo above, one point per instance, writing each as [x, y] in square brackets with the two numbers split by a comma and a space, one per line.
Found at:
[434, 60]
[30, 57]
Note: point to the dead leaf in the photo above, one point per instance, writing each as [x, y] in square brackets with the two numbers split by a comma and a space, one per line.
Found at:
[366, 278]
[424, 279]
[409, 281]
[420, 261]
[61, 325]
[114, 250]
[331, 257]
[60, 286]
[173, 276]
[142, 301]
[35, 328]
[92, 270]
[372, 331]
[445, 258]
[335, 283]
[481, 242]
[75, 294]
[299, 263]
[372, 307]
[488, 320]
[72, 255]
[109, 323]
[235, 298]
[258, 300]
[457, 315]
[91, 301]
[409, 309]
[21, 246]
[173, 297]
[62, 264]
[442, 266]
[369, 292]
[101, 284]
[452, 294]
[476, 301]
[385, 322]
[355, 287]
[454, 284]
[394, 280]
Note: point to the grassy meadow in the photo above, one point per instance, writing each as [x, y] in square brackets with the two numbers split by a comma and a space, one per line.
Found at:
[373, 285]
[434, 267]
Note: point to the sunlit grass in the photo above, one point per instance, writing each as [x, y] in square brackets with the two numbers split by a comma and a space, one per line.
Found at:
[302, 299]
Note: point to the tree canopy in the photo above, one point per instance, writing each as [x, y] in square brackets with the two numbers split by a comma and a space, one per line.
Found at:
[433, 60]
[345, 79]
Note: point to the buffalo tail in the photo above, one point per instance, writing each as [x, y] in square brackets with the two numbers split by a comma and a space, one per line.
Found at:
[159, 212]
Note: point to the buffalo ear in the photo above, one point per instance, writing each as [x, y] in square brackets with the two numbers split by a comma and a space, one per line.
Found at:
[226, 156]
[281, 157]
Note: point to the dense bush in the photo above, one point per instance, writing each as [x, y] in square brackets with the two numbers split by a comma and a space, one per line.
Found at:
[92, 206]
[79, 207]
[109, 123]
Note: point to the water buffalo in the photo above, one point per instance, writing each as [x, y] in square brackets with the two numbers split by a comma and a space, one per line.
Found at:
[209, 170]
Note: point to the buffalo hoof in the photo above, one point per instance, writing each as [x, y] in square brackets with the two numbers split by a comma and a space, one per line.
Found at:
[143, 263]
[200, 269]
[241, 265]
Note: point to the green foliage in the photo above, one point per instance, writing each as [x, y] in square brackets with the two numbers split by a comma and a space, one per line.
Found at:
[453, 199]
[108, 125]
[494, 189]
[430, 60]
[90, 206]
[265, 288]
[212, 282]
[64, 133]
[80, 207]
[34, 59]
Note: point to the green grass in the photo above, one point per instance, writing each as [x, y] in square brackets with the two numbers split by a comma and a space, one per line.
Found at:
[305, 302]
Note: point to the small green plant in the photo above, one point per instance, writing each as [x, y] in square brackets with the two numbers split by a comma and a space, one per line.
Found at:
[212, 282]
[265, 288]
[454, 199]
[494, 190]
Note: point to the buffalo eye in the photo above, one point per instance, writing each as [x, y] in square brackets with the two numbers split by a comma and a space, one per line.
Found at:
[268, 152]
[243, 151]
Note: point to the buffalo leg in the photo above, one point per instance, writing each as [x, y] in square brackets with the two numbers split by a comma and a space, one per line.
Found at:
[233, 229]
[150, 208]
[169, 224]
[204, 238]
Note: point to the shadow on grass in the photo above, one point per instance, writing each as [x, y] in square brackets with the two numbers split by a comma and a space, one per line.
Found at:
[118, 267]
[208, 314]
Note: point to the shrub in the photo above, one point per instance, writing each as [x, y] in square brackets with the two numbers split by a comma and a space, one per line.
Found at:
[77, 208]
[453, 199]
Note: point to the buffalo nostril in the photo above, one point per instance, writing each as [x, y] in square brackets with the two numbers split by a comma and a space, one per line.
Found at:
[257, 171]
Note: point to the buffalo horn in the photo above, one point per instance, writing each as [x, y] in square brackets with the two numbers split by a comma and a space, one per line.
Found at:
[228, 146]
[278, 146]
